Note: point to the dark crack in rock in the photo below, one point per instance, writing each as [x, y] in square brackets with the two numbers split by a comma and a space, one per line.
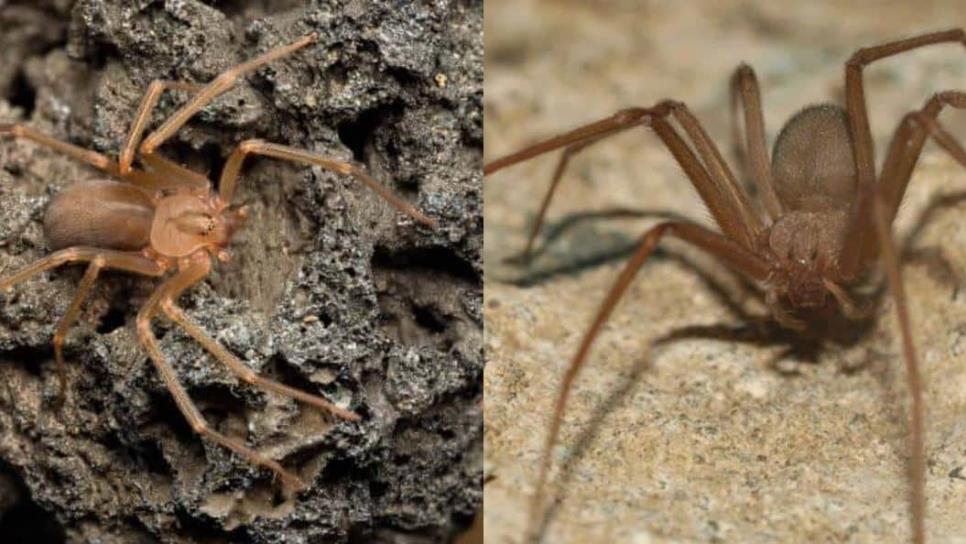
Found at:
[329, 289]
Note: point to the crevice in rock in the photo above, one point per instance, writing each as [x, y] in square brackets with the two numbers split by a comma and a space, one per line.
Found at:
[114, 319]
[22, 519]
[22, 94]
[357, 133]
[438, 259]
[420, 293]
[36, 355]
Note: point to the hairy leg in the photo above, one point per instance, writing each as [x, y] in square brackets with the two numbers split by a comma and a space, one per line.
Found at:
[713, 179]
[729, 251]
[229, 175]
[745, 91]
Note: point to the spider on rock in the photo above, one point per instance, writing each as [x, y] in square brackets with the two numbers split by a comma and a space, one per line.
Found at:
[165, 218]
[825, 219]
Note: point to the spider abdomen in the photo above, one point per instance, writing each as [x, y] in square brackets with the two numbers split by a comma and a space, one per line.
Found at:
[99, 213]
[813, 163]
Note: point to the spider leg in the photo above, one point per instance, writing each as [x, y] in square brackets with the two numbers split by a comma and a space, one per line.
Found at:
[850, 308]
[222, 83]
[120, 260]
[870, 218]
[917, 447]
[176, 314]
[726, 249]
[907, 143]
[710, 175]
[98, 259]
[562, 164]
[229, 175]
[754, 156]
[93, 158]
[861, 234]
[63, 326]
[143, 115]
[165, 295]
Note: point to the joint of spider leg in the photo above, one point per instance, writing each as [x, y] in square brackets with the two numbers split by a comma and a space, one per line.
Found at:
[250, 146]
[248, 376]
[143, 326]
[168, 306]
[199, 427]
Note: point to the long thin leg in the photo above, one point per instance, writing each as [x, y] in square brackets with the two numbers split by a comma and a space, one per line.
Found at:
[90, 276]
[247, 375]
[165, 295]
[558, 172]
[229, 175]
[87, 156]
[98, 259]
[223, 82]
[120, 260]
[906, 147]
[719, 172]
[860, 234]
[719, 191]
[745, 91]
[729, 251]
[93, 158]
[917, 448]
[148, 103]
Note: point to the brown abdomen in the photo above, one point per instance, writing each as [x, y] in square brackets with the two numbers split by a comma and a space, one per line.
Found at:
[99, 213]
[812, 162]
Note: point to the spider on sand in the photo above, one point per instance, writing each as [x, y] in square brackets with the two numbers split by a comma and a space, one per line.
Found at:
[826, 219]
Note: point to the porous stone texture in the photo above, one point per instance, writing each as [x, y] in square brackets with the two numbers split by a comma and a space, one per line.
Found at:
[329, 288]
[692, 421]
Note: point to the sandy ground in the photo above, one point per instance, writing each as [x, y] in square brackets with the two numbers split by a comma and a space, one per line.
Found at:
[689, 423]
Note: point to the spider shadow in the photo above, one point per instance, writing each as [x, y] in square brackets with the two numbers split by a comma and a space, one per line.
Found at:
[544, 264]
[759, 330]
[585, 439]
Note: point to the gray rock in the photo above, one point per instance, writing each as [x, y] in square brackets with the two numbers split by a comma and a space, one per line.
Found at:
[329, 289]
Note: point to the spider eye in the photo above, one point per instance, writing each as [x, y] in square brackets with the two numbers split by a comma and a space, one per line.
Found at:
[196, 223]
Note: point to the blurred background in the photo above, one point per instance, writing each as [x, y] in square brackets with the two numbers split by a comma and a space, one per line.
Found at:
[688, 425]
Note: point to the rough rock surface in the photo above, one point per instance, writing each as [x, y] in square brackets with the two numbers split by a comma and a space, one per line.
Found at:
[725, 431]
[329, 288]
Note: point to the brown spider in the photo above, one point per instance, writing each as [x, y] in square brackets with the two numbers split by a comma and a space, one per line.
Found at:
[827, 215]
[167, 218]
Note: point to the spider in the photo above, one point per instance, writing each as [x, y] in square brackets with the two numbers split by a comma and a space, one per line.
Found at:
[825, 218]
[166, 218]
